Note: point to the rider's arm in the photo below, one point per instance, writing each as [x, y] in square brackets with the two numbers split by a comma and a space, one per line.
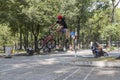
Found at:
[52, 25]
[58, 29]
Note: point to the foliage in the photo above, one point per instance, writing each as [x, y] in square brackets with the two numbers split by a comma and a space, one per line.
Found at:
[111, 30]
[5, 36]
[30, 19]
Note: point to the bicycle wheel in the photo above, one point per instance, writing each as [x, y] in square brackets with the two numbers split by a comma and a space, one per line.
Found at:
[106, 54]
[51, 44]
[46, 49]
[40, 43]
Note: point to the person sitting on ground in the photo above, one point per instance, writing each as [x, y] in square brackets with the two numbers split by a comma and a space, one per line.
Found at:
[97, 49]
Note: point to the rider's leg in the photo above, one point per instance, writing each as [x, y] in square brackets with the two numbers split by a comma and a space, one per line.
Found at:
[97, 53]
[66, 38]
[59, 34]
[66, 35]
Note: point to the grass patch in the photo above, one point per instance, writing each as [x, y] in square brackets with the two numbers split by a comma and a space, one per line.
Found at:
[105, 59]
[19, 50]
[1, 51]
[99, 59]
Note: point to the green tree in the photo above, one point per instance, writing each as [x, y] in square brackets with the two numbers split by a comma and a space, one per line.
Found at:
[114, 5]
[6, 38]
[40, 15]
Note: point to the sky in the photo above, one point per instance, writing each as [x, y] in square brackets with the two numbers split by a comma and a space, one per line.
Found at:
[118, 4]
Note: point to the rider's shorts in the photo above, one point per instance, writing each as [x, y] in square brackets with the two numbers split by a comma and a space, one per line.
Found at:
[64, 30]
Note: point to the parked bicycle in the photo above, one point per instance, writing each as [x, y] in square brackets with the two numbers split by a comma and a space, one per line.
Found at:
[48, 42]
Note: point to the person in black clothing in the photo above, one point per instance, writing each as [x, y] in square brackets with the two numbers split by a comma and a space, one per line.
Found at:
[62, 26]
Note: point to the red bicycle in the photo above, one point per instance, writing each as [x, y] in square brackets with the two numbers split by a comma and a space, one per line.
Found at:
[48, 42]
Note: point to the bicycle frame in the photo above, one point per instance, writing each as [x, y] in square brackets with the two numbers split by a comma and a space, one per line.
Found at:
[46, 41]
[48, 38]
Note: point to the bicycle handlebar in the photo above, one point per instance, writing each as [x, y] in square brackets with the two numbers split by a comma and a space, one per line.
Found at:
[51, 31]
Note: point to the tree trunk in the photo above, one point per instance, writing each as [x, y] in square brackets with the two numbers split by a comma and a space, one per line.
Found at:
[78, 32]
[113, 14]
[26, 40]
[20, 39]
[109, 41]
[32, 39]
[35, 33]
[36, 43]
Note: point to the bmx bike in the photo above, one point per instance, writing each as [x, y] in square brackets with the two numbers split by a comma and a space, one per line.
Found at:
[48, 42]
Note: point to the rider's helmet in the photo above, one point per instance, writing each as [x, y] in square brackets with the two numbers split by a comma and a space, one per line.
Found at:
[59, 17]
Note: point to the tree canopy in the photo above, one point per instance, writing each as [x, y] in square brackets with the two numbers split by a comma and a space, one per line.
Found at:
[30, 19]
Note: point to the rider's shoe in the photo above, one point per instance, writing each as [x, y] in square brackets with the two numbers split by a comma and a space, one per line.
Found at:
[64, 49]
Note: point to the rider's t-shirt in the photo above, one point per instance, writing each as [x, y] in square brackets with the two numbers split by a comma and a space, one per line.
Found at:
[62, 23]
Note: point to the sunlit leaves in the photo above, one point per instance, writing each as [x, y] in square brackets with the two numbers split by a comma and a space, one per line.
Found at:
[111, 30]
[5, 35]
